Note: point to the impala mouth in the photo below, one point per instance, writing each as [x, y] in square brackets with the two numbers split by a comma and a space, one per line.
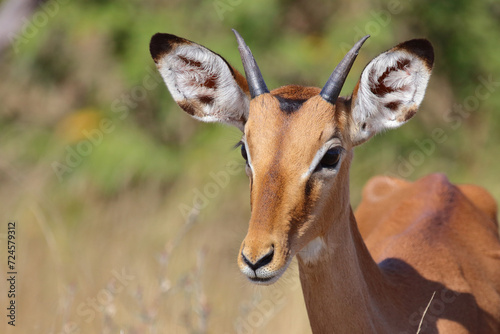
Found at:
[264, 280]
[261, 279]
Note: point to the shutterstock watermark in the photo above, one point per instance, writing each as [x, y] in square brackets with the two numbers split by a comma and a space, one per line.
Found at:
[121, 107]
[209, 191]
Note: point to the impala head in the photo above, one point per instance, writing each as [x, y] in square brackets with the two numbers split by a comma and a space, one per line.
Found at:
[297, 141]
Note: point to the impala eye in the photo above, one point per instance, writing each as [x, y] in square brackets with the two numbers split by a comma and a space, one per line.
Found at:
[331, 158]
[244, 152]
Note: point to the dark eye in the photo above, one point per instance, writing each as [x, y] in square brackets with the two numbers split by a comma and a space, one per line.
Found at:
[244, 152]
[331, 158]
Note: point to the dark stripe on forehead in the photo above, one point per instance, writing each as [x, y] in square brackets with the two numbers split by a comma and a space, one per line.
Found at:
[289, 105]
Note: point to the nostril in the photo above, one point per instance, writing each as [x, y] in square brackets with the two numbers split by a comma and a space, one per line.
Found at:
[246, 260]
[264, 260]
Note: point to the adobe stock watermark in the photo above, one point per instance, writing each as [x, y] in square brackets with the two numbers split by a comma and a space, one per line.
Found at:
[89, 309]
[203, 195]
[260, 312]
[31, 27]
[381, 19]
[223, 6]
[428, 315]
[406, 165]
[121, 107]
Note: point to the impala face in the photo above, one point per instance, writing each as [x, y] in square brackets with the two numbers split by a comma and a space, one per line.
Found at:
[297, 141]
[293, 158]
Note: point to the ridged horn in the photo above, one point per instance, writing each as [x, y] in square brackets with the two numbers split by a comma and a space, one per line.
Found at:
[255, 80]
[333, 86]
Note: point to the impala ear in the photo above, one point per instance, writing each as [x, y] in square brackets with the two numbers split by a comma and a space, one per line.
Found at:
[391, 88]
[200, 81]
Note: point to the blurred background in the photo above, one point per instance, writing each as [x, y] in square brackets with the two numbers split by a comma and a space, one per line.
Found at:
[130, 213]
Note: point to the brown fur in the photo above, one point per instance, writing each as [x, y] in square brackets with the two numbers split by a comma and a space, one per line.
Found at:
[240, 79]
[443, 241]
[410, 241]
[421, 237]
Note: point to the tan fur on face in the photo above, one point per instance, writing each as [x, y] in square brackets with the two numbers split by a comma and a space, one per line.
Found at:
[284, 204]
[428, 237]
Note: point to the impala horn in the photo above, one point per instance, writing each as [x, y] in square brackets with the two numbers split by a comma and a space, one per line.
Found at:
[333, 86]
[255, 80]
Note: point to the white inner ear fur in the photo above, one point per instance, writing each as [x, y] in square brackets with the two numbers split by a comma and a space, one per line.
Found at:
[199, 77]
[391, 87]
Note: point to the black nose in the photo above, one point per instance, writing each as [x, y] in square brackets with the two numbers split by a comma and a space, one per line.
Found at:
[267, 258]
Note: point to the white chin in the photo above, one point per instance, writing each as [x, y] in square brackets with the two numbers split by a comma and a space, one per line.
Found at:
[268, 280]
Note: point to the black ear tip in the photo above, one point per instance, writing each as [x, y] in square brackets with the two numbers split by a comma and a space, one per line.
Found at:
[162, 44]
[420, 47]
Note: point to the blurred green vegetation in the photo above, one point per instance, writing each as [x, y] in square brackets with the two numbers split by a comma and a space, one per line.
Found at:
[91, 53]
[91, 62]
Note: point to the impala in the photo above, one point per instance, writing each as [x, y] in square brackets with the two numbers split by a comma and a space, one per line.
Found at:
[420, 257]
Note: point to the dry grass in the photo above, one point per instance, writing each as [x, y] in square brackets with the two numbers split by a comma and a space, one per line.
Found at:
[425, 312]
[179, 277]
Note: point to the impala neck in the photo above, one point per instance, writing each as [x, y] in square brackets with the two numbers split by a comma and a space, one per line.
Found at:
[343, 287]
